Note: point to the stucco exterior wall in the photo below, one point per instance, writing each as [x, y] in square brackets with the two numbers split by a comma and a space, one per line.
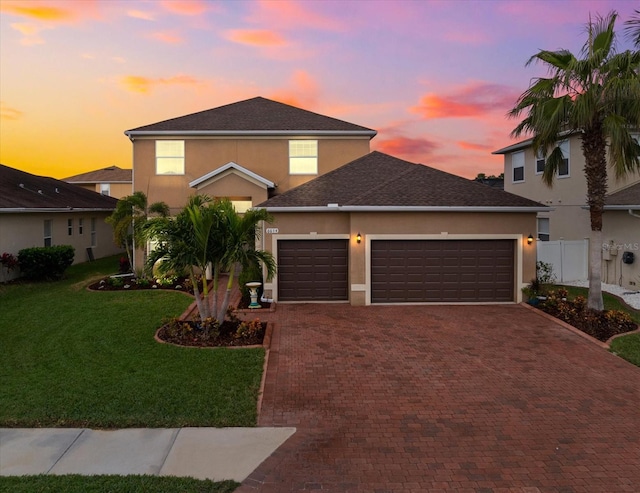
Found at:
[621, 233]
[117, 190]
[233, 186]
[408, 225]
[26, 230]
[268, 157]
[567, 196]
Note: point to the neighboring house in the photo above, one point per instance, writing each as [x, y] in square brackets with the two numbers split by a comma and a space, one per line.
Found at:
[383, 230]
[568, 216]
[621, 238]
[38, 211]
[425, 235]
[491, 182]
[112, 181]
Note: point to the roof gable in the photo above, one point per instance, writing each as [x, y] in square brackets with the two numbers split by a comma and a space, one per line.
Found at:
[252, 116]
[111, 174]
[23, 191]
[231, 167]
[381, 181]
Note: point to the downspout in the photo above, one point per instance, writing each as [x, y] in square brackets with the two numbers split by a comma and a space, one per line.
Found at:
[631, 213]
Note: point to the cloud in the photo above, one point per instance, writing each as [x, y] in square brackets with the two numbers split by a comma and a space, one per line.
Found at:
[302, 91]
[8, 113]
[144, 85]
[475, 100]
[118, 59]
[472, 146]
[407, 146]
[139, 14]
[287, 14]
[30, 33]
[37, 11]
[255, 37]
[167, 37]
[185, 7]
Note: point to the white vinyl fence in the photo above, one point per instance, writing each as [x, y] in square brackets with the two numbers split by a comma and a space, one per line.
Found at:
[570, 259]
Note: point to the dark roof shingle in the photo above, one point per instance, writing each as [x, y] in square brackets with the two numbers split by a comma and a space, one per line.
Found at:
[253, 115]
[21, 190]
[627, 196]
[111, 174]
[380, 180]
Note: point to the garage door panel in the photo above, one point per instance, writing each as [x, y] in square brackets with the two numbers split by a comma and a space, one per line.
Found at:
[442, 270]
[312, 270]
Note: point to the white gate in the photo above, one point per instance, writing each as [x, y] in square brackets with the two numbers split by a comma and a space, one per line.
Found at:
[570, 259]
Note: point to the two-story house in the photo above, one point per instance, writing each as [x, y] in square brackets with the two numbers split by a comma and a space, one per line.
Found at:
[112, 181]
[568, 216]
[350, 225]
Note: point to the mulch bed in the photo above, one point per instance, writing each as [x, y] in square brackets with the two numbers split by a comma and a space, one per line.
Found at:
[132, 284]
[189, 334]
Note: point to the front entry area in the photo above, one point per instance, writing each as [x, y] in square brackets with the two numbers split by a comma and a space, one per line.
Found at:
[413, 271]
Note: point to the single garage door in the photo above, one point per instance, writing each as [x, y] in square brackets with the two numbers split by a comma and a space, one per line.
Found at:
[442, 270]
[313, 270]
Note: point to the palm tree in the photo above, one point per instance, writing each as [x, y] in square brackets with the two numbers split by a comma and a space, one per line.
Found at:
[597, 95]
[633, 28]
[241, 233]
[128, 220]
[209, 233]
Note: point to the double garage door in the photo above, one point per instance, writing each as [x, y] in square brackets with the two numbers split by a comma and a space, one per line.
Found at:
[402, 271]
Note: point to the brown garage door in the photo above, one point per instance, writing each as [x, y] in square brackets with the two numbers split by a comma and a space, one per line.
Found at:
[442, 270]
[312, 270]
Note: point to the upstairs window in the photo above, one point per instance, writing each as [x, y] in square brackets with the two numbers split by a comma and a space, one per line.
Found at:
[303, 157]
[539, 163]
[170, 157]
[517, 166]
[563, 170]
[105, 189]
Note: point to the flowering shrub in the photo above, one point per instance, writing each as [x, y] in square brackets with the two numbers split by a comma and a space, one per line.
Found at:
[9, 261]
[125, 266]
[599, 324]
[247, 330]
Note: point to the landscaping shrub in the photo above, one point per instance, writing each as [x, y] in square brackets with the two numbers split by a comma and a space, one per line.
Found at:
[8, 261]
[599, 324]
[45, 263]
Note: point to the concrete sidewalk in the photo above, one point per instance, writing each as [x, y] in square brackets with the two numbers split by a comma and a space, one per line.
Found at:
[202, 453]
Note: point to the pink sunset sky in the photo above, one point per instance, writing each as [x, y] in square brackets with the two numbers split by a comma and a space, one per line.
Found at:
[434, 78]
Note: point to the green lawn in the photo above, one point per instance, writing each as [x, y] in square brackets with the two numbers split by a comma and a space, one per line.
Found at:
[75, 358]
[627, 347]
[112, 484]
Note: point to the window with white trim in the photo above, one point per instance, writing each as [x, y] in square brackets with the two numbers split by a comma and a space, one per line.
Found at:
[170, 157]
[543, 228]
[563, 169]
[517, 167]
[303, 157]
[80, 226]
[105, 189]
[48, 227]
[70, 227]
[540, 161]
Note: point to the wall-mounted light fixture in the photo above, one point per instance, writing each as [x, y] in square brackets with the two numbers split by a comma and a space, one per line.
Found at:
[358, 238]
[529, 240]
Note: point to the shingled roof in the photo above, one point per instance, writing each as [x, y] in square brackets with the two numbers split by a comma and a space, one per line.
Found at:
[112, 174]
[378, 181]
[24, 192]
[626, 198]
[254, 116]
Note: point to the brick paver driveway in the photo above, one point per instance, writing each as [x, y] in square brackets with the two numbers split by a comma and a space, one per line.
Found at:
[457, 398]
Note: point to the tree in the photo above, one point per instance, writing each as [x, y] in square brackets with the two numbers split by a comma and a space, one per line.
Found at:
[209, 233]
[633, 28]
[128, 220]
[597, 96]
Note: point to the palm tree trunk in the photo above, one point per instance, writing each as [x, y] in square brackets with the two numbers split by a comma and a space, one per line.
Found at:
[196, 295]
[595, 170]
[214, 291]
[227, 295]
